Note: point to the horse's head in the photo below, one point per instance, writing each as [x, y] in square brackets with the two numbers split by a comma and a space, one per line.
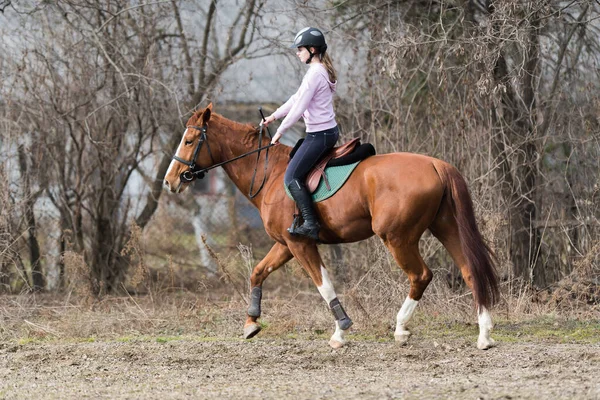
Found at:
[193, 153]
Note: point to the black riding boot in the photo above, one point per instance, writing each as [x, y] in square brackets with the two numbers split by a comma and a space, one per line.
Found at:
[303, 200]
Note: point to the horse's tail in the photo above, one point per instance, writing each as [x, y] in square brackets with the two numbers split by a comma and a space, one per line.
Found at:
[477, 254]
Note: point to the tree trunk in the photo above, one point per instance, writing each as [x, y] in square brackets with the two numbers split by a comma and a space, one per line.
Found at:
[515, 123]
[108, 268]
[37, 277]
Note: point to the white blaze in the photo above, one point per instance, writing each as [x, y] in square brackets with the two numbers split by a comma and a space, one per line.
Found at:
[176, 152]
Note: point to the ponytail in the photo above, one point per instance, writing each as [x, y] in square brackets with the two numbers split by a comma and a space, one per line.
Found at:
[328, 64]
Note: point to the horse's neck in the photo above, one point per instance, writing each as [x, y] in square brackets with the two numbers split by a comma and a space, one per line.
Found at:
[239, 141]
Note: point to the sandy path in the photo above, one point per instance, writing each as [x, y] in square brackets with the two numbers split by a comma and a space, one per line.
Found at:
[298, 368]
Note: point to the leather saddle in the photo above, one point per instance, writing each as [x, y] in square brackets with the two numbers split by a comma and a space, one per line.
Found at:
[348, 153]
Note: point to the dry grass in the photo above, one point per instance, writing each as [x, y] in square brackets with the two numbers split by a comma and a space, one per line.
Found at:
[170, 299]
[292, 307]
[28, 318]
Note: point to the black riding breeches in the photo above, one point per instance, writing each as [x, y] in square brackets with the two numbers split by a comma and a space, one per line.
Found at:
[314, 147]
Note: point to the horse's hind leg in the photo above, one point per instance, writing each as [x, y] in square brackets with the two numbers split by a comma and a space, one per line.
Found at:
[408, 257]
[310, 259]
[277, 256]
[446, 231]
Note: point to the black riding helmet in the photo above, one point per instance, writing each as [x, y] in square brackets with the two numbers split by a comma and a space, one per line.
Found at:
[310, 37]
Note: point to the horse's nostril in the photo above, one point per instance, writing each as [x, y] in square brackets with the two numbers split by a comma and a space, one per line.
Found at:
[166, 182]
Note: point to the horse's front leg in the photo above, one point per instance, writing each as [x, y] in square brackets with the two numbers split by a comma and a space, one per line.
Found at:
[308, 255]
[277, 256]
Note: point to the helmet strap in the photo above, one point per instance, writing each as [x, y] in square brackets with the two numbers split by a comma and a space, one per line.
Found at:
[311, 55]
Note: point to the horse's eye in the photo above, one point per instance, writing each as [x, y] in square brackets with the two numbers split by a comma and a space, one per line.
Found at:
[188, 142]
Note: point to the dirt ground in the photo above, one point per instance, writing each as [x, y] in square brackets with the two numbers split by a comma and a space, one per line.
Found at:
[183, 345]
[268, 368]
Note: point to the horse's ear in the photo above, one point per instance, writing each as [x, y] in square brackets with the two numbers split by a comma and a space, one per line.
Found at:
[206, 114]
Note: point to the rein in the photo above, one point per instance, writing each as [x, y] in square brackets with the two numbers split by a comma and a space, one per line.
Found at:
[198, 173]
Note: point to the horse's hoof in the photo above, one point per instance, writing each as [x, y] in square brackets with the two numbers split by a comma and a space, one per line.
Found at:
[485, 343]
[335, 344]
[402, 337]
[251, 330]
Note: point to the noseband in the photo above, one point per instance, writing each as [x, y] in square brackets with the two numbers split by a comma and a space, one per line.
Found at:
[198, 173]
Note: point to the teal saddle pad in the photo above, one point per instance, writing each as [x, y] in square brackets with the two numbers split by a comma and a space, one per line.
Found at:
[336, 176]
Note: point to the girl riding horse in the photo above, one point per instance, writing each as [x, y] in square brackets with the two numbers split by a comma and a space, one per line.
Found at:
[314, 102]
[395, 196]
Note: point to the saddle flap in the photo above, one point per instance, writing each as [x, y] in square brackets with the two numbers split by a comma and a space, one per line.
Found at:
[318, 171]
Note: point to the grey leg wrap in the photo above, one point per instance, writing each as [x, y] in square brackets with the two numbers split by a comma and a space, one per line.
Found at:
[255, 297]
[340, 315]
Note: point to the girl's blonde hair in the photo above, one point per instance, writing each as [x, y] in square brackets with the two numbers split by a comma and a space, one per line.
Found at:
[328, 64]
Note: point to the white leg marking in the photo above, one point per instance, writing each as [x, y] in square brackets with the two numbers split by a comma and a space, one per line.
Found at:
[404, 315]
[484, 341]
[337, 339]
[326, 290]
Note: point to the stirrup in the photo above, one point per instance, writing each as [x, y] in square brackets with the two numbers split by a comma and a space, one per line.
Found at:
[303, 230]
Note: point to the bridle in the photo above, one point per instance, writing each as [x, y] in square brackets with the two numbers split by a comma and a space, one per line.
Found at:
[194, 172]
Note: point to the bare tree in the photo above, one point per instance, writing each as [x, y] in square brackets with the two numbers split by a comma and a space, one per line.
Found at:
[103, 95]
[487, 85]
[212, 61]
[29, 200]
[507, 91]
[13, 274]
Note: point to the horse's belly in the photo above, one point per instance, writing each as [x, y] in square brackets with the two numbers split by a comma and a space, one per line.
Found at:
[352, 231]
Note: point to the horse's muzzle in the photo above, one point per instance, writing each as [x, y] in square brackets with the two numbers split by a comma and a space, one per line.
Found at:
[172, 188]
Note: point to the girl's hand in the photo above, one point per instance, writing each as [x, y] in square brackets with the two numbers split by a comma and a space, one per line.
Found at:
[276, 138]
[267, 120]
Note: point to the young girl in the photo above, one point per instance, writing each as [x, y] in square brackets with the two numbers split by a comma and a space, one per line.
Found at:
[314, 102]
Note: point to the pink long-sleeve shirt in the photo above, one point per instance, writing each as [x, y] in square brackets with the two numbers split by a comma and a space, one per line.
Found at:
[313, 101]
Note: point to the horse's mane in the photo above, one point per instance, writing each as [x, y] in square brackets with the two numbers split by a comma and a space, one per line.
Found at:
[249, 131]
[238, 126]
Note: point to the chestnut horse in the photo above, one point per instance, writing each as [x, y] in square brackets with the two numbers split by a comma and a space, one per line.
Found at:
[395, 196]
